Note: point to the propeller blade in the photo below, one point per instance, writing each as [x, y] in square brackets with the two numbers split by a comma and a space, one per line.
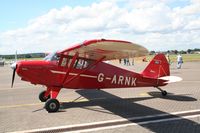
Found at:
[14, 67]
[13, 77]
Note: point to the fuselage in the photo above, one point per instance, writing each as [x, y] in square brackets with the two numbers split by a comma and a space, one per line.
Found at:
[102, 75]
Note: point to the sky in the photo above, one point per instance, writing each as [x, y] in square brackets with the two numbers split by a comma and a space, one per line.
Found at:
[48, 25]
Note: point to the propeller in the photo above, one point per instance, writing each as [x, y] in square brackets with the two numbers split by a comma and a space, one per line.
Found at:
[14, 67]
[13, 77]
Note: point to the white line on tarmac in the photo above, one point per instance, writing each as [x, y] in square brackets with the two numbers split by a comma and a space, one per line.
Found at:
[133, 124]
[15, 88]
[119, 120]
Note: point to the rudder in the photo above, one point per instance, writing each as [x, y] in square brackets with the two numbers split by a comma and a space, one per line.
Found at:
[158, 67]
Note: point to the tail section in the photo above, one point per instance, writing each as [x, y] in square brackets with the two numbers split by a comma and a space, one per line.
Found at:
[158, 67]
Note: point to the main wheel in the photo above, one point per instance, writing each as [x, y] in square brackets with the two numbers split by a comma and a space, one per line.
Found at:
[42, 97]
[52, 105]
[164, 93]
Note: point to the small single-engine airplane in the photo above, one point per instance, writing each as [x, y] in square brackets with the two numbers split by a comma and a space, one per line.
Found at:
[83, 67]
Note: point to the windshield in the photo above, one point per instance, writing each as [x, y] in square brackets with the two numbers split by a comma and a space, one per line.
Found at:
[52, 57]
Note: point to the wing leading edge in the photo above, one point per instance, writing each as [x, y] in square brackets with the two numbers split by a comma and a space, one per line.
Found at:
[110, 49]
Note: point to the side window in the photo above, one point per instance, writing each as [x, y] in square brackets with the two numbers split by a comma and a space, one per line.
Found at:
[78, 64]
[64, 62]
[69, 62]
[81, 64]
[85, 64]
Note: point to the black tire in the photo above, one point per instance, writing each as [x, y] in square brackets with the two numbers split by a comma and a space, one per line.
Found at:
[52, 105]
[42, 97]
[164, 93]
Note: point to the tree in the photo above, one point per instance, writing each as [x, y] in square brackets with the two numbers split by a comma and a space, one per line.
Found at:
[27, 56]
[175, 51]
[152, 52]
[189, 51]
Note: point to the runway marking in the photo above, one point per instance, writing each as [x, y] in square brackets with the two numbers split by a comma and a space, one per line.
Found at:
[111, 124]
[19, 105]
[40, 103]
[61, 101]
[144, 94]
[15, 88]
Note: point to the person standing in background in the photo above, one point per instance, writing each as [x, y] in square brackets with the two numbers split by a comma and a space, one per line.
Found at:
[128, 62]
[124, 61]
[120, 61]
[133, 62]
[179, 61]
[168, 58]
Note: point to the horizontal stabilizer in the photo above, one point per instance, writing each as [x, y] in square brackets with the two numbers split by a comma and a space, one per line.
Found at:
[171, 79]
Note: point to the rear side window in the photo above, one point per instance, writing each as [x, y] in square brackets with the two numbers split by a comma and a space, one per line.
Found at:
[64, 62]
[81, 64]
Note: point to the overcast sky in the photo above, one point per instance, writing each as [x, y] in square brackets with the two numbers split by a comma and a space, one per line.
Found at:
[49, 25]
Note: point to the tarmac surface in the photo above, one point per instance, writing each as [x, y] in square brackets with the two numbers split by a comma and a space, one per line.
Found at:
[108, 110]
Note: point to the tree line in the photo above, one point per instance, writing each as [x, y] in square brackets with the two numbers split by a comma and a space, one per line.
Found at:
[189, 51]
[29, 55]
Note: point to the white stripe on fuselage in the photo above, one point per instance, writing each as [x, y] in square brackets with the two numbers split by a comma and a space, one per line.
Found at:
[58, 72]
[73, 74]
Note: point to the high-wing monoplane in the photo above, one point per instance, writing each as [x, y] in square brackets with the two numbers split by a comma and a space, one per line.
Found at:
[83, 67]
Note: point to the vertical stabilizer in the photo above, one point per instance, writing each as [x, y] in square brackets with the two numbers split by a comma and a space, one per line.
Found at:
[158, 67]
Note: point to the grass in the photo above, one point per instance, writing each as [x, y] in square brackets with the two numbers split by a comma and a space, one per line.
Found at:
[186, 57]
[25, 59]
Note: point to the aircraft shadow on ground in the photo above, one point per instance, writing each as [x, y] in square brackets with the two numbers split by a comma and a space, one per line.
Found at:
[127, 108]
[171, 96]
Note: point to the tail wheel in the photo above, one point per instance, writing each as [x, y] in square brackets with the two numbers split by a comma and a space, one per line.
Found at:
[52, 105]
[42, 97]
[164, 93]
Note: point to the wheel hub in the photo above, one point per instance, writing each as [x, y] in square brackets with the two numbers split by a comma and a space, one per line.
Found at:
[52, 105]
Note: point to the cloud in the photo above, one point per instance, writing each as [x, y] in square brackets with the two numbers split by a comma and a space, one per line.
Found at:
[154, 24]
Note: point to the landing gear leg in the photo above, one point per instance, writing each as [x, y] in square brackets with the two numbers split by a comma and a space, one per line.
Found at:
[52, 104]
[164, 93]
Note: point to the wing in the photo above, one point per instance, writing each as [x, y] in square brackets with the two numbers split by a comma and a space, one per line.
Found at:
[111, 49]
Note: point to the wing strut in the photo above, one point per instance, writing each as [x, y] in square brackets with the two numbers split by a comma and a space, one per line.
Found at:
[89, 67]
[70, 67]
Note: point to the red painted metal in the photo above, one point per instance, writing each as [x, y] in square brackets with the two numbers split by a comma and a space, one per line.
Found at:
[100, 75]
[54, 92]
[81, 72]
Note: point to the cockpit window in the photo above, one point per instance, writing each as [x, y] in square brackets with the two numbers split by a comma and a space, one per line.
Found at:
[81, 64]
[52, 57]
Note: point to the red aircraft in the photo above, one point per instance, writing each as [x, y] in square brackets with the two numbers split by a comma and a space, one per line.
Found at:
[83, 67]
